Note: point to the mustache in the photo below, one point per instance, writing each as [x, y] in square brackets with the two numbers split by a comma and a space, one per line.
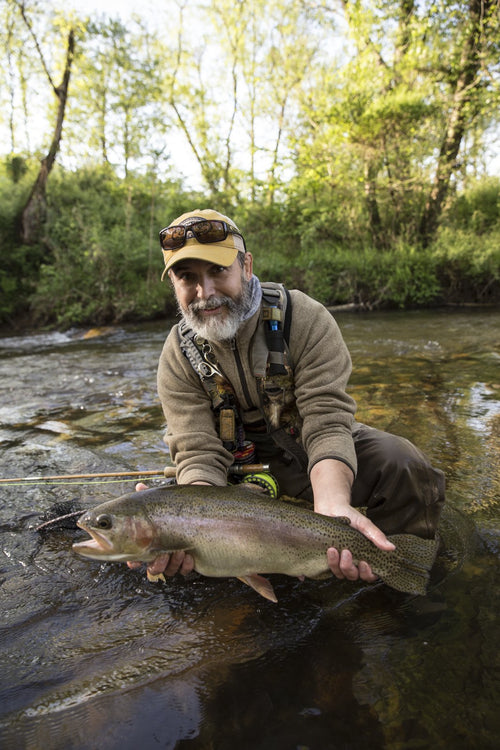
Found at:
[211, 304]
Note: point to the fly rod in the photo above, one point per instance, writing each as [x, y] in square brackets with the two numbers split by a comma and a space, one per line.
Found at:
[168, 472]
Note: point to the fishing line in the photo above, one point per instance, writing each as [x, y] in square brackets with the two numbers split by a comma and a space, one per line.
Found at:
[53, 521]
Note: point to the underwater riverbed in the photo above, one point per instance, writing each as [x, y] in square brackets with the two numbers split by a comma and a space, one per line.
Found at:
[96, 656]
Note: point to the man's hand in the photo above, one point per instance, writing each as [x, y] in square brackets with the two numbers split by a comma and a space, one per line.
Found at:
[331, 481]
[341, 563]
[167, 565]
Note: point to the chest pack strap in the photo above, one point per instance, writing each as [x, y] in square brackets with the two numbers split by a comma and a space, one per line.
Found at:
[276, 309]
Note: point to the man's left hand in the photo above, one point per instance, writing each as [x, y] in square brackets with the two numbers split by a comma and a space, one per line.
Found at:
[332, 481]
[341, 562]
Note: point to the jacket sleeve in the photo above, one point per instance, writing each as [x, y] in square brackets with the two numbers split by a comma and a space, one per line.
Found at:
[322, 367]
[191, 436]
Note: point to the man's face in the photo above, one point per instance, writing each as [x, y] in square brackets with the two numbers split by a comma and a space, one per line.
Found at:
[212, 298]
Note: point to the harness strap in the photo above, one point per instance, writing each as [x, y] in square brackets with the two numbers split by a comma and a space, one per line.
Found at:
[273, 316]
[196, 356]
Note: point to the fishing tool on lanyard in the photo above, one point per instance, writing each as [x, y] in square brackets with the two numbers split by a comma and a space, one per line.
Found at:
[201, 357]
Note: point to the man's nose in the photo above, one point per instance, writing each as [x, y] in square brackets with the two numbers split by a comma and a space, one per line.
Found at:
[205, 286]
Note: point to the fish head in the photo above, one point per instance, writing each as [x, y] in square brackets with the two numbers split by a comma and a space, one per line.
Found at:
[117, 536]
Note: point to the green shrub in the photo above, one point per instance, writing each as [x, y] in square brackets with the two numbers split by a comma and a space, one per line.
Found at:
[468, 265]
[104, 261]
[477, 209]
[401, 277]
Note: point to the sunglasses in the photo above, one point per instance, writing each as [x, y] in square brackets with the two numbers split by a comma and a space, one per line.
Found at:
[204, 231]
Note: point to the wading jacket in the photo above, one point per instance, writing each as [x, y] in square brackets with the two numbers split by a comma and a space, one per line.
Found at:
[321, 369]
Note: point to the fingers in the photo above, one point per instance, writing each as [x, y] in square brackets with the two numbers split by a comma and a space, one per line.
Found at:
[366, 573]
[343, 566]
[169, 565]
[372, 532]
[165, 564]
[141, 486]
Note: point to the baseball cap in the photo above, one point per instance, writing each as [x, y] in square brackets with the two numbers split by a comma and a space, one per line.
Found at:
[223, 253]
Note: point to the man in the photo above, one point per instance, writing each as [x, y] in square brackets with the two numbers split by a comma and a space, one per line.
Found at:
[284, 395]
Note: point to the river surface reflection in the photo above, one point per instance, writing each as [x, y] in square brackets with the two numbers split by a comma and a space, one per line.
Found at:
[95, 656]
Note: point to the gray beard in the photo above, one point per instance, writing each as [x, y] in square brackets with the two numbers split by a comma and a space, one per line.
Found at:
[219, 328]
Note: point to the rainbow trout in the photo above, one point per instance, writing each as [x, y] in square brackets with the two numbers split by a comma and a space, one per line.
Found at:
[235, 531]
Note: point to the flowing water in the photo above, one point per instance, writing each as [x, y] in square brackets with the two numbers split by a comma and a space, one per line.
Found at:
[95, 656]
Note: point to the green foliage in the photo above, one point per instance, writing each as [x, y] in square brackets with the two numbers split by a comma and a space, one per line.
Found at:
[468, 265]
[18, 261]
[272, 236]
[478, 208]
[100, 262]
[103, 262]
[400, 277]
[467, 248]
[337, 161]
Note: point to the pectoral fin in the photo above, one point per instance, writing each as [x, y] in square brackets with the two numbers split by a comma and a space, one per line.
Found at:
[261, 585]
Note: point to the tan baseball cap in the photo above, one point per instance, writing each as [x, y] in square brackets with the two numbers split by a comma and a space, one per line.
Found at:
[223, 253]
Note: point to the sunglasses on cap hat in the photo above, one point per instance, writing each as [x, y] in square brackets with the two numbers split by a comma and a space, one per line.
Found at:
[204, 231]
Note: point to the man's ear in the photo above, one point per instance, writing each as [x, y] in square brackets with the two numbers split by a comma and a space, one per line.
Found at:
[248, 266]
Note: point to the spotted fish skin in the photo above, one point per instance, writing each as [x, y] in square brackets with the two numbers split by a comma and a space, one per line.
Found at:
[234, 531]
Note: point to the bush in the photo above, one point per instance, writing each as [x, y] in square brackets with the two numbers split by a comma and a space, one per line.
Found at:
[477, 209]
[401, 277]
[468, 265]
[104, 261]
[99, 260]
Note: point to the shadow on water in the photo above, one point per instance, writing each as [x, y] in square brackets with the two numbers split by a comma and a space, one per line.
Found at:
[95, 656]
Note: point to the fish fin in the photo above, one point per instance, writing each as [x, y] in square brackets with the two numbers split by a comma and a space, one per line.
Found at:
[155, 577]
[413, 558]
[261, 585]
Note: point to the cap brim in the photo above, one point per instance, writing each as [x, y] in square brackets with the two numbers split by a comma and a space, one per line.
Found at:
[214, 252]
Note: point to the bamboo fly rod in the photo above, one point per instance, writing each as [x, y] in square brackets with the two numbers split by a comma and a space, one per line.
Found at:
[168, 472]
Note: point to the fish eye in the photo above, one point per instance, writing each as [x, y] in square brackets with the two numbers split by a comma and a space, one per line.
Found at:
[103, 521]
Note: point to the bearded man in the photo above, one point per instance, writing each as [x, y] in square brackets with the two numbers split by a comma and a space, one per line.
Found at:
[288, 399]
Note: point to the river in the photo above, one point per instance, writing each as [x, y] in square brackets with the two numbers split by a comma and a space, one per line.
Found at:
[96, 656]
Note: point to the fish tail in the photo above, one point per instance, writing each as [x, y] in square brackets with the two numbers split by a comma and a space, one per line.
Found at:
[411, 563]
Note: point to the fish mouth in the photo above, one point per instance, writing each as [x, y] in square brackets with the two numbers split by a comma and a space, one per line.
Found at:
[97, 546]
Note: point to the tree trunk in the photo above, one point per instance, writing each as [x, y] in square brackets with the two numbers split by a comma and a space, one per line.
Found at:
[370, 172]
[35, 210]
[465, 84]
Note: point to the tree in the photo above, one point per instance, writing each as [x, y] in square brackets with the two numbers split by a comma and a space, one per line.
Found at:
[467, 78]
[34, 212]
[114, 114]
[389, 120]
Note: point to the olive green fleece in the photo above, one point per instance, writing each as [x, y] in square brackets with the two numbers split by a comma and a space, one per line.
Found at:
[322, 366]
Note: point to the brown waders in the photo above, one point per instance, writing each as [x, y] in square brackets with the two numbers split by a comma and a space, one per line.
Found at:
[402, 492]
